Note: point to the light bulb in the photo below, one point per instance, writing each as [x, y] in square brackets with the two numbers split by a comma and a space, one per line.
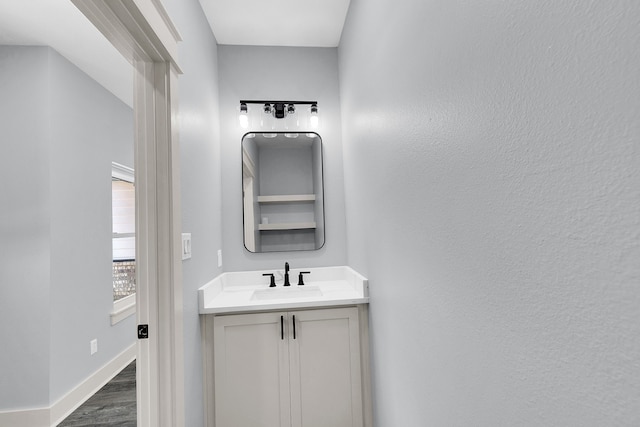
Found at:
[243, 117]
[267, 117]
[313, 120]
[244, 120]
[291, 121]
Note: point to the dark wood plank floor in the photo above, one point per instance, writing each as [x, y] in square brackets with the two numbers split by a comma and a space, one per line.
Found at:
[113, 405]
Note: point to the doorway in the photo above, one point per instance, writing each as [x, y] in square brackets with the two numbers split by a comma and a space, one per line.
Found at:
[61, 132]
[142, 31]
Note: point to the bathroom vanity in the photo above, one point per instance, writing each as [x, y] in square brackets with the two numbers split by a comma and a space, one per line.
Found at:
[286, 356]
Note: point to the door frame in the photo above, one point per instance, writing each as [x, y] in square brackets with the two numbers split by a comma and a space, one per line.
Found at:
[143, 32]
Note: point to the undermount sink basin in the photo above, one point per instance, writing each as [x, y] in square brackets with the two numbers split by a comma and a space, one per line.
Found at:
[286, 293]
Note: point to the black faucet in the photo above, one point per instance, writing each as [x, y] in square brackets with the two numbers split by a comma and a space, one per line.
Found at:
[286, 274]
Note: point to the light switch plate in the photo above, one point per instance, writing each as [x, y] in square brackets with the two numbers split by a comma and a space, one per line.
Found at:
[186, 246]
[219, 257]
[94, 346]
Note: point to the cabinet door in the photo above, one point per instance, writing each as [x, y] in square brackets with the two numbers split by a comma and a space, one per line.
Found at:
[326, 386]
[251, 371]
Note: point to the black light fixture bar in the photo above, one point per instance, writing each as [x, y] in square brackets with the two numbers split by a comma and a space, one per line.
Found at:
[279, 109]
[278, 102]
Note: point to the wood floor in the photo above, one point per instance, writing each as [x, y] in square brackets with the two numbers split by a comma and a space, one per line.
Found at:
[113, 405]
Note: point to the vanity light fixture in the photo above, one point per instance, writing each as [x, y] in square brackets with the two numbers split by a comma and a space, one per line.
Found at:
[279, 110]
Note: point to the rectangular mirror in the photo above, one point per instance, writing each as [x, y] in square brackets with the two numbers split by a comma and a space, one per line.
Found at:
[282, 192]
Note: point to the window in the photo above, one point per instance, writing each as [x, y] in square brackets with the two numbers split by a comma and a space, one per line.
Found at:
[123, 242]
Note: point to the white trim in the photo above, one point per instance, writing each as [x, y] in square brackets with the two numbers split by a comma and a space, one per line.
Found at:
[25, 417]
[247, 162]
[164, 15]
[83, 391]
[249, 214]
[208, 369]
[122, 172]
[365, 363]
[123, 308]
[288, 198]
[137, 28]
[54, 414]
[122, 236]
[288, 226]
[140, 30]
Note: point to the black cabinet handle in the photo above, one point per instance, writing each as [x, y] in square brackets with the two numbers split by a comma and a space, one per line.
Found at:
[294, 326]
[281, 327]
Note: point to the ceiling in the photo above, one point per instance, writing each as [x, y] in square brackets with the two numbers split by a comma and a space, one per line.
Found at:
[313, 23]
[59, 24]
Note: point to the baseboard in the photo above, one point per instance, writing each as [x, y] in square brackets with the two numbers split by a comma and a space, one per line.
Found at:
[53, 415]
[76, 397]
[25, 418]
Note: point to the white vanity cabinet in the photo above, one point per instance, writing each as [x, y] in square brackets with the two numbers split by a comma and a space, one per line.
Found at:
[295, 368]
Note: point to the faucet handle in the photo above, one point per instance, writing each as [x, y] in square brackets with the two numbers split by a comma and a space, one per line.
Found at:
[272, 282]
[300, 280]
[286, 274]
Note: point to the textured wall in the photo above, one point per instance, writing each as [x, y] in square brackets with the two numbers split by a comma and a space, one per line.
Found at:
[200, 180]
[493, 199]
[280, 73]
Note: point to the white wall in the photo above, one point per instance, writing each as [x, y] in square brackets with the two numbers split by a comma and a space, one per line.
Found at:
[280, 73]
[61, 131]
[200, 180]
[88, 129]
[24, 229]
[493, 200]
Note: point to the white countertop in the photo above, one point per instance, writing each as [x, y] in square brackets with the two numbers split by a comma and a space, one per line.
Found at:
[247, 291]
